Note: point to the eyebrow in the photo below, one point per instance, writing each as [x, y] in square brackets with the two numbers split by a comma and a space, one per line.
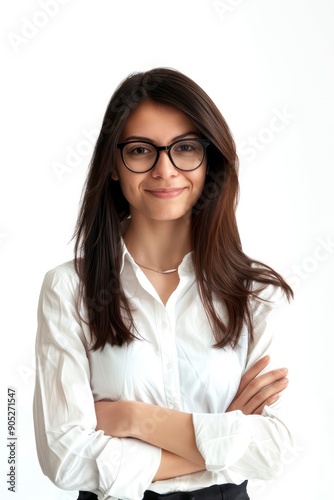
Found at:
[148, 139]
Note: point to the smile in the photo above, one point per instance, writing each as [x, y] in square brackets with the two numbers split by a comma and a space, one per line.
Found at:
[166, 193]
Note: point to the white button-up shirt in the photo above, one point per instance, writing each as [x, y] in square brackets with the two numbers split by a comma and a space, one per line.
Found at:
[174, 365]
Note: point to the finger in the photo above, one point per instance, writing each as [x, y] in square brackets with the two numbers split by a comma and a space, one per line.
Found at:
[262, 381]
[260, 399]
[255, 389]
[252, 372]
[268, 402]
[258, 383]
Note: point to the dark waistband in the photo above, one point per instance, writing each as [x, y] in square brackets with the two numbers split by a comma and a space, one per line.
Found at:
[224, 491]
[217, 492]
[86, 495]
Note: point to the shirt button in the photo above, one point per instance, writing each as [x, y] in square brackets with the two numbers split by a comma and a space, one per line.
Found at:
[164, 324]
[170, 366]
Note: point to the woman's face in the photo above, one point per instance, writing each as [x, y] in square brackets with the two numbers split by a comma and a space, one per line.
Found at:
[163, 193]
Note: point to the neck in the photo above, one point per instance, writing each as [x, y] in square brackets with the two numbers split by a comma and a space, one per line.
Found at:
[159, 244]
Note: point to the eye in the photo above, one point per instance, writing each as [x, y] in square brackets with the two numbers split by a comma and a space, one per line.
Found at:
[187, 147]
[139, 149]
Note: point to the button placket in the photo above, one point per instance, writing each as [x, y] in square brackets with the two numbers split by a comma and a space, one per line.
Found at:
[164, 324]
[169, 358]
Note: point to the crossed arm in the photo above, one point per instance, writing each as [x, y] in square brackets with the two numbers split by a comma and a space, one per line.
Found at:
[173, 430]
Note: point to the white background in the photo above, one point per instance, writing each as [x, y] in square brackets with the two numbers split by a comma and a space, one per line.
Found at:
[256, 59]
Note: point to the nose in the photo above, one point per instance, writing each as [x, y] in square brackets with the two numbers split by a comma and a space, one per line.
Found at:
[164, 168]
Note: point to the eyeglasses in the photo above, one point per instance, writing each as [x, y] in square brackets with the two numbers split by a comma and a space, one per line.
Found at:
[142, 156]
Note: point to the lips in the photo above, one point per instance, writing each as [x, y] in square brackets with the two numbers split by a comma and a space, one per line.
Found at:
[165, 192]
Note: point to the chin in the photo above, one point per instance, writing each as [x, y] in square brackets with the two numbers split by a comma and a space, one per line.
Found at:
[171, 216]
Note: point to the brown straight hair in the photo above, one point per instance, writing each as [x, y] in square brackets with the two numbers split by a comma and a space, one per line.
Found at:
[224, 273]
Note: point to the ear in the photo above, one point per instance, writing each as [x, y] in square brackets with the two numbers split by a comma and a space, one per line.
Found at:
[114, 175]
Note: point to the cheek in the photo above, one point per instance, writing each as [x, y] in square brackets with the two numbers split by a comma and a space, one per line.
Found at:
[130, 186]
[199, 182]
[127, 190]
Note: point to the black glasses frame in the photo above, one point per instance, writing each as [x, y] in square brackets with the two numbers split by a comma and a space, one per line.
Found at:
[205, 143]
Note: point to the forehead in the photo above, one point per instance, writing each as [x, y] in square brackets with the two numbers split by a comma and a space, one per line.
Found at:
[157, 121]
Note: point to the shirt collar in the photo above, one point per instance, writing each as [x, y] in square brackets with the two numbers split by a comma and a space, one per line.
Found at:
[124, 252]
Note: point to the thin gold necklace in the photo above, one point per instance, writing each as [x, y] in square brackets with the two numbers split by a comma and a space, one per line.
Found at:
[169, 271]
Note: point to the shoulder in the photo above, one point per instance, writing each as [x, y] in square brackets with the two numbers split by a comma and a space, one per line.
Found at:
[263, 302]
[64, 275]
[268, 312]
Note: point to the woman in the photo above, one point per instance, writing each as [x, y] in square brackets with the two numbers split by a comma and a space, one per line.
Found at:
[153, 374]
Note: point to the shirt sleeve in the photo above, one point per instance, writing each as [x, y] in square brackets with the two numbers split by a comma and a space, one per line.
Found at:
[71, 452]
[249, 446]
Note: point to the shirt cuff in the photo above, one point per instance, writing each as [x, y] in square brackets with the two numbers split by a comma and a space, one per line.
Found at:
[221, 438]
[137, 464]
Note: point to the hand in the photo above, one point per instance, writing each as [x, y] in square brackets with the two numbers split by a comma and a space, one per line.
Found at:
[255, 391]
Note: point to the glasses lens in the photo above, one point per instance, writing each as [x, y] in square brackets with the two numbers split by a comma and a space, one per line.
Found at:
[139, 156]
[187, 154]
